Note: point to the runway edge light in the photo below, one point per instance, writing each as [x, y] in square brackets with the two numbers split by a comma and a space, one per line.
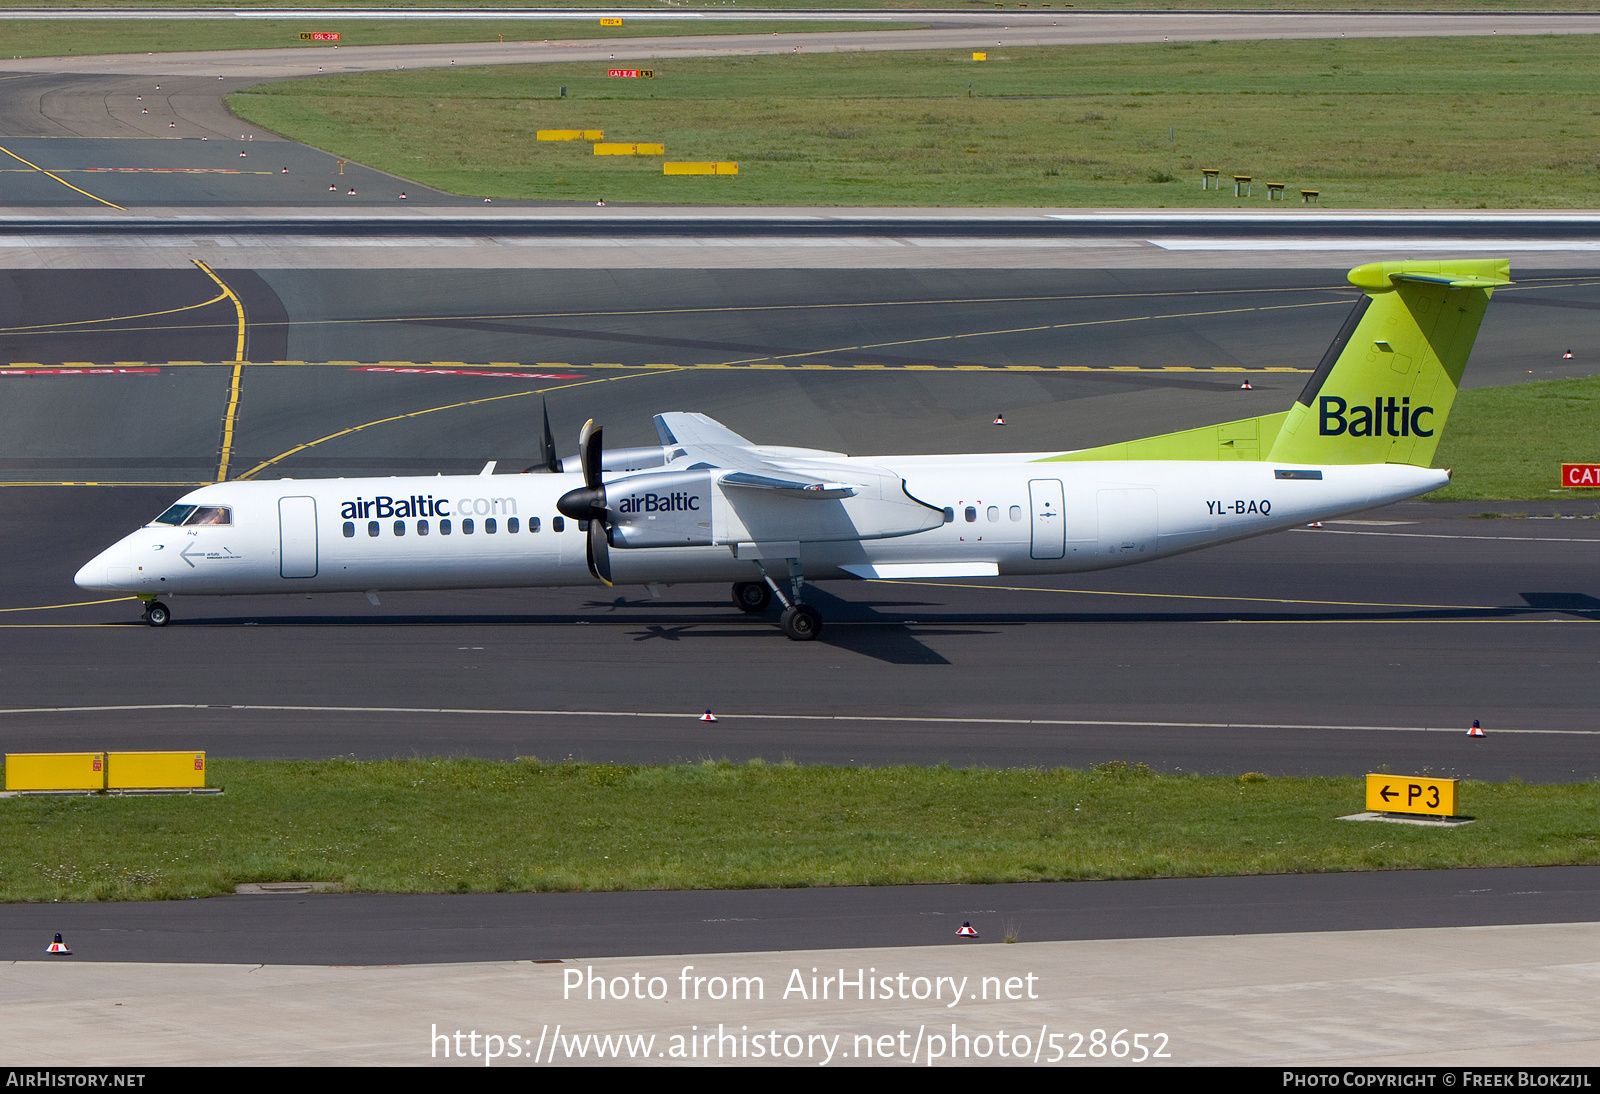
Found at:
[58, 946]
[708, 717]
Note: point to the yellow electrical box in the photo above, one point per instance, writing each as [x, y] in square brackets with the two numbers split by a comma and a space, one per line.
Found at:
[1398, 794]
[55, 771]
[155, 770]
[981, 56]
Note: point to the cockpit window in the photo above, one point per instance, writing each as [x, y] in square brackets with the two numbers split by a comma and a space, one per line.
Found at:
[195, 514]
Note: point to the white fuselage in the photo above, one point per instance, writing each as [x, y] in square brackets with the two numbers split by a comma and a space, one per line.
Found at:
[1012, 515]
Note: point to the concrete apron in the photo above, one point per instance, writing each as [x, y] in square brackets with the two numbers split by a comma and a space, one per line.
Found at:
[1460, 996]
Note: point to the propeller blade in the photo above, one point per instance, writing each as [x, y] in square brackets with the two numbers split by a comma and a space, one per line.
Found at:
[589, 453]
[599, 551]
[547, 444]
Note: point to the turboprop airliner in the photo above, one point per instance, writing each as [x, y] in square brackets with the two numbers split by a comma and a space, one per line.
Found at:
[708, 505]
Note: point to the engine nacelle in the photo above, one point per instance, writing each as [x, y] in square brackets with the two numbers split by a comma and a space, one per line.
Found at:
[670, 509]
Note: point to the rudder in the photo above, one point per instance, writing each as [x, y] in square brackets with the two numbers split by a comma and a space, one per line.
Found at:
[1384, 389]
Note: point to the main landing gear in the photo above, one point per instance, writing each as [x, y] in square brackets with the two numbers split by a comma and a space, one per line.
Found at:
[800, 622]
[156, 613]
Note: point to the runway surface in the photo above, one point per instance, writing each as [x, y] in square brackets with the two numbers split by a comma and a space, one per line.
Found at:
[378, 929]
[1024, 29]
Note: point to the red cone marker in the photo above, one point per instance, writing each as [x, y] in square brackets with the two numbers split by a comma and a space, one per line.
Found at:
[966, 931]
[58, 946]
[1476, 730]
[708, 717]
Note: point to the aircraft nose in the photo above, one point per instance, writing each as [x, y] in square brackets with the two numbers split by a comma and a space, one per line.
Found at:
[107, 570]
[92, 575]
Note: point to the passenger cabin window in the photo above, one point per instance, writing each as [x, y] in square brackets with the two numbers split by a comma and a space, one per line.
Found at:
[1016, 512]
[511, 526]
[399, 527]
[949, 515]
[349, 529]
[533, 524]
[466, 527]
[372, 528]
[971, 514]
[422, 527]
[444, 527]
[994, 514]
[489, 527]
[558, 524]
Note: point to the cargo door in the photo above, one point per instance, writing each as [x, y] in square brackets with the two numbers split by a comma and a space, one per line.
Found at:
[1049, 520]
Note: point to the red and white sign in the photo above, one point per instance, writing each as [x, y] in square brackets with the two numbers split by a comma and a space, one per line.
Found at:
[1580, 474]
[321, 36]
[633, 72]
[471, 372]
[74, 371]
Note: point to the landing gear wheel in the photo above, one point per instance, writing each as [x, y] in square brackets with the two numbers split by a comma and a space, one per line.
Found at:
[751, 596]
[801, 623]
[157, 614]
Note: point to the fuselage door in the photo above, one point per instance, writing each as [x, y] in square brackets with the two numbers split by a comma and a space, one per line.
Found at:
[297, 537]
[1049, 518]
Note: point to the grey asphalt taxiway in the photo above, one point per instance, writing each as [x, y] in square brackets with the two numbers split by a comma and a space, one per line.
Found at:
[379, 929]
[1331, 650]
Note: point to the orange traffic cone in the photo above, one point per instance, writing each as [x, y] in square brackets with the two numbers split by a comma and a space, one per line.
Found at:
[966, 931]
[708, 717]
[1476, 730]
[58, 946]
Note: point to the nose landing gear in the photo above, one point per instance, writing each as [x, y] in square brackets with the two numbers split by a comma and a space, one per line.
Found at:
[156, 613]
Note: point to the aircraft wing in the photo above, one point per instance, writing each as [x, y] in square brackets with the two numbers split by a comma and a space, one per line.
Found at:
[708, 444]
[694, 430]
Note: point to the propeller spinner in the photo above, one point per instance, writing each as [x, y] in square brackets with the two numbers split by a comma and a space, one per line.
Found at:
[588, 503]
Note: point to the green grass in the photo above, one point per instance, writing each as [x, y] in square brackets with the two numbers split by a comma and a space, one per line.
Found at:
[30, 38]
[482, 826]
[1510, 442]
[1369, 123]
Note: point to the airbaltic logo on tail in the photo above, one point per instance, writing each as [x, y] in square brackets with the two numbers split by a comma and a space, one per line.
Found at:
[1391, 419]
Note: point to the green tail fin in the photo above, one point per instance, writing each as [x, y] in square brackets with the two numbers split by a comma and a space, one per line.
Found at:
[1386, 385]
[1383, 389]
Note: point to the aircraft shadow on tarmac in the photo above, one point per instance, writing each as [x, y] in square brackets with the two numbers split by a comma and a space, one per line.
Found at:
[866, 629]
